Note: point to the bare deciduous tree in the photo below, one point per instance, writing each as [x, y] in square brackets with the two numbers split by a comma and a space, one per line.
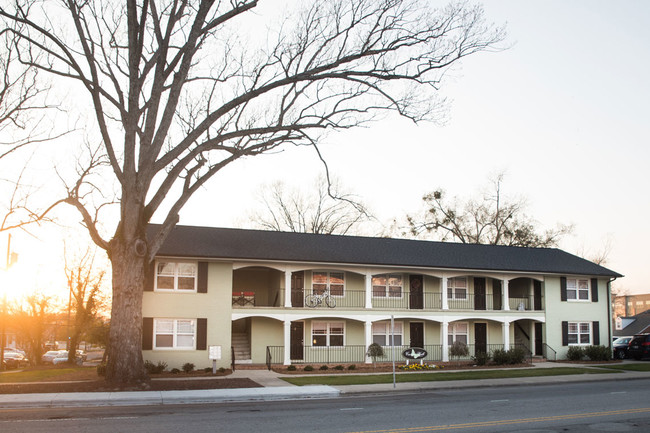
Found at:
[177, 96]
[325, 209]
[22, 96]
[491, 220]
[31, 319]
[85, 291]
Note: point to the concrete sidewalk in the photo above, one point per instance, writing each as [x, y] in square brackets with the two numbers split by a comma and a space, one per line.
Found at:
[274, 388]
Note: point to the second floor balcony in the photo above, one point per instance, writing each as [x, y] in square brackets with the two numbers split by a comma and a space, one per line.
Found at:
[404, 300]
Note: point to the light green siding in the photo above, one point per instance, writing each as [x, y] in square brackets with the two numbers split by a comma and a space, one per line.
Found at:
[215, 305]
[558, 311]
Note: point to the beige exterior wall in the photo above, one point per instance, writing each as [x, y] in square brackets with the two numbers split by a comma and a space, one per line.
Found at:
[215, 305]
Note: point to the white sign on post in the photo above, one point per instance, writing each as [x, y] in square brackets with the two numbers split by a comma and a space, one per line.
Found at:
[214, 352]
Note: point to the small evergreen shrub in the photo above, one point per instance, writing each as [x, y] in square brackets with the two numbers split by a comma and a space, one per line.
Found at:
[499, 356]
[175, 371]
[188, 367]
[375, 351]
[516, 355]
[101, 370]
[481, 358]
[575, 353]
[221, 370]
[207, 370]
[291, 368]
[323, 367]
[352, 367]
[308, 368]
[598, 353]
[458, 350]
[339, 367]
[155, 368]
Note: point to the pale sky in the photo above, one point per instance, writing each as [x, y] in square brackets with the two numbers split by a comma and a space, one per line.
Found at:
[563, 112]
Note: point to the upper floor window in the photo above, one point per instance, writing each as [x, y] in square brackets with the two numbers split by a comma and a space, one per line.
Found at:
[387, 285]
[457, 288]
[577, 289]
[381, 333]
[323, 280]
[327, 333]
[174, 334]
[179, 276]
[579, 333]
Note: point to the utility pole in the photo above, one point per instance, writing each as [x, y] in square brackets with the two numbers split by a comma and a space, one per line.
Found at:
[4, 306]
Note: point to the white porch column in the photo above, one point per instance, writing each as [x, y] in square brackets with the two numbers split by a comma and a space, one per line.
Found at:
[287, 342]
[368, 280]
[506, 295]
[443, 285]
[287, 289]
[506, 335]
[444, 330]
[368, 339]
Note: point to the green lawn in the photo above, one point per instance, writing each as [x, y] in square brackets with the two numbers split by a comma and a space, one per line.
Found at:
[49, 374]
[629, 367]
[346, 379]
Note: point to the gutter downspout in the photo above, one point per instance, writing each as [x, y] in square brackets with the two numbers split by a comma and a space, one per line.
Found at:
[609, 312]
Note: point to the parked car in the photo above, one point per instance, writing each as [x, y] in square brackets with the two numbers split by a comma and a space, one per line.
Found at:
[50, 355]
[639, 346]
[620, 346]
[15, 360]
[62, 357]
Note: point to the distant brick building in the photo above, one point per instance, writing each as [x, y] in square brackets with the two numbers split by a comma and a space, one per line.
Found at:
[630, 305]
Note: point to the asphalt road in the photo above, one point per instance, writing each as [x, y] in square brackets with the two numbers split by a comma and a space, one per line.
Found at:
[609, 406]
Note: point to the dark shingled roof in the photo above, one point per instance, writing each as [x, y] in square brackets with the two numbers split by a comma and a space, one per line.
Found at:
[239, 244]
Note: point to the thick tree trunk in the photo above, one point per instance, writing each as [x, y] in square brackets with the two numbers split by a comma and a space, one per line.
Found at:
[125, 365]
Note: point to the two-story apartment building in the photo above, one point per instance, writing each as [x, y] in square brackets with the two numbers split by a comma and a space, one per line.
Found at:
[305, 298]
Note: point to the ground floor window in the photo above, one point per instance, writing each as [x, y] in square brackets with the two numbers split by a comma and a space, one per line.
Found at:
[381, 333]
[579, 333]
[174, 333]
[327, 334]
[458, 331]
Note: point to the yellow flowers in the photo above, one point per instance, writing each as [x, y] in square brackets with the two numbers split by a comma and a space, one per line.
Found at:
[420, 367]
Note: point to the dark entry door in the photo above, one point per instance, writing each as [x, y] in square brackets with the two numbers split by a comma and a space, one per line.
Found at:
[480, 337]
[416, 295]
[537, 296]
[297, 339]
[539, 340]
[496, 295]
[417, 334]
[479, 294]
[298, 289]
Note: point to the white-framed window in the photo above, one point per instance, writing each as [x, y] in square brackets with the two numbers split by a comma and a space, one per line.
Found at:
[322, 280]
[577, 289]
[328, 334]
[381, 333]
[579, 333]
[176, 276]
[387, 285]
[457, 288]
[458, 331]
[174, 334]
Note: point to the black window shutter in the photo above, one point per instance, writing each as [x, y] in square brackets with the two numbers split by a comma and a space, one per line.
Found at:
[149, 276]
[147, 333]
[202, 283]
[201, 333]
[594, 290]
[562, 288]
[565, 333]
[595, 327]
